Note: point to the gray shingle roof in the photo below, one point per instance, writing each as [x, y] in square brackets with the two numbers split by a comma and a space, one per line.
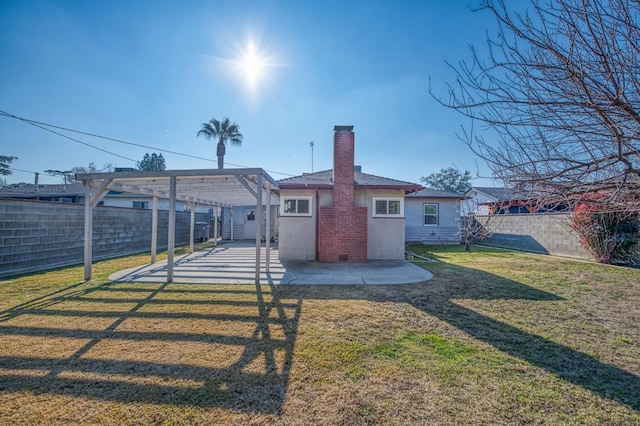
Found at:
[435, 193]
[29, 189]
[500, 194]
[324, 179]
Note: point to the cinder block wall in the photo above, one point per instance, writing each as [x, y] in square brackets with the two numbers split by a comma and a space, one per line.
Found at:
[36, 236]
[543, 233]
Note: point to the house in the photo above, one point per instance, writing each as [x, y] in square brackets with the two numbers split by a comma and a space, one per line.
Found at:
[243, 219]
[342, 215]
[60, 193]
[486, 201]
[73, 192]
[433, 217]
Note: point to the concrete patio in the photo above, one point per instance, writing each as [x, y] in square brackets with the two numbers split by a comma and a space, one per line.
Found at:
[234, 263]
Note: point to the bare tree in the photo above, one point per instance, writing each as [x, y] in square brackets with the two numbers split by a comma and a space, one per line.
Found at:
[558, 98]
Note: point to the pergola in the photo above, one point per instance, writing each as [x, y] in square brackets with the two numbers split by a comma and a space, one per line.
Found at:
[223, 188]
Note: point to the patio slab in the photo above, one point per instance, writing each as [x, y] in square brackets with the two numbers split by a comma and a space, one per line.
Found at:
[234, 263]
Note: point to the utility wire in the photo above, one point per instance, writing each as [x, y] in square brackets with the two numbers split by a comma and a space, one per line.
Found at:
[43, 127]
[48, 126]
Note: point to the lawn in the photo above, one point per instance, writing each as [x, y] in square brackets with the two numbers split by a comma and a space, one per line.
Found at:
[497, 337]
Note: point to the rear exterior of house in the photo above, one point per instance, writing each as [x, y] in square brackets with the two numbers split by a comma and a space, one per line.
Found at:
[244, 223]
[433, 217]
[342, 215]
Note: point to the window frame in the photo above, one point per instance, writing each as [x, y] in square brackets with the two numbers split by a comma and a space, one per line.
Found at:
[297, 198]
[142, 205]
[437, 214]
[400, 214]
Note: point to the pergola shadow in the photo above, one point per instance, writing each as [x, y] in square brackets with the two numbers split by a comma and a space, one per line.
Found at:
[144, 350]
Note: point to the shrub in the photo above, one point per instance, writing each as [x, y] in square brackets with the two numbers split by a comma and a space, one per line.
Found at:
[608, 235]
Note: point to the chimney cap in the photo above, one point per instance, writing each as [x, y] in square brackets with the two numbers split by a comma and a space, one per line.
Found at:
[342, 128]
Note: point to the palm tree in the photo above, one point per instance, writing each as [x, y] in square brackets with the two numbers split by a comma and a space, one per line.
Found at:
[223, 131]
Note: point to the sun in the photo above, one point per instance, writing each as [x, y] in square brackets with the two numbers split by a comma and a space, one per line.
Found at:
[253, 65]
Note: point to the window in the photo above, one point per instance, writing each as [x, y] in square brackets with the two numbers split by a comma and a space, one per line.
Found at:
[296, 206]
[430, 214]
[251, 215]
[140, 204]
[388, 207]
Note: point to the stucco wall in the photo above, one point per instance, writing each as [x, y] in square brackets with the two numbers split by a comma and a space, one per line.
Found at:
[543, 233]
[386, 235]
[38, 235]
[297, 234]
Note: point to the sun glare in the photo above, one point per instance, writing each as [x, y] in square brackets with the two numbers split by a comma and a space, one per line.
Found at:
[253, 66]
[250, 63]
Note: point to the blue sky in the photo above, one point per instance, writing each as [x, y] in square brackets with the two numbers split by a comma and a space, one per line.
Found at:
[151, 72]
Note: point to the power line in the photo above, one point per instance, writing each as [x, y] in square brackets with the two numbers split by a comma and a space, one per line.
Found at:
[42, 126]
[48, 127]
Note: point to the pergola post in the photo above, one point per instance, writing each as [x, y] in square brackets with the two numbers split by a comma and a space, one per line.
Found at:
[192, 224]
[154, 229]
[88, 233]
[268, 228]
[171, 237]
[259, 225]
[92, 197]
[231, 214]
[215, 226]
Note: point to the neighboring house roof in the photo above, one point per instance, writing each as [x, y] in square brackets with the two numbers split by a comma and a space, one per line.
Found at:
[28, 190]
[498, 194]
[436, 193]
[324, 179]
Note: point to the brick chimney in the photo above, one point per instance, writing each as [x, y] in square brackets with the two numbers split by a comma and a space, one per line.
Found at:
[343, 227]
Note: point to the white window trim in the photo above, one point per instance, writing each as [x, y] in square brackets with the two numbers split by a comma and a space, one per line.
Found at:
[400, 215]
[437, 214]
[295, 197]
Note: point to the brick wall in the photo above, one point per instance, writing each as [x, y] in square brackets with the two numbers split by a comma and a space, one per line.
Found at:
[37, 235]
[342, 233]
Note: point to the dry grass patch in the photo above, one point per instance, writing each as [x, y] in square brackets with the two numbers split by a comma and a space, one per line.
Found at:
[495, 338]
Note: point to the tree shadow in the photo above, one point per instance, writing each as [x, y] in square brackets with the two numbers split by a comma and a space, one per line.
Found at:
[438, 298]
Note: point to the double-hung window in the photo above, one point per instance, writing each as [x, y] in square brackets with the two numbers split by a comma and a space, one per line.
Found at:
[296, 206]
[430, 214]
[388, 207]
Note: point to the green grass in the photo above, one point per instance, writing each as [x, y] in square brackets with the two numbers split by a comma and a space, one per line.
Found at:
[497, 337]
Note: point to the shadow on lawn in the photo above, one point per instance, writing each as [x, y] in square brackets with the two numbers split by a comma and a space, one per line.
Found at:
[255, 375]
[438, 297]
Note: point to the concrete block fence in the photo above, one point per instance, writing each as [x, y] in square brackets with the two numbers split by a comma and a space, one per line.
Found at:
[542, 233]
[36, 235]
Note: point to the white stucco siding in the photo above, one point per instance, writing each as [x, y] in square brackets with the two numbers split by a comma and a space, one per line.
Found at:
[447, 231]
[297, 234]
[385, 240]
